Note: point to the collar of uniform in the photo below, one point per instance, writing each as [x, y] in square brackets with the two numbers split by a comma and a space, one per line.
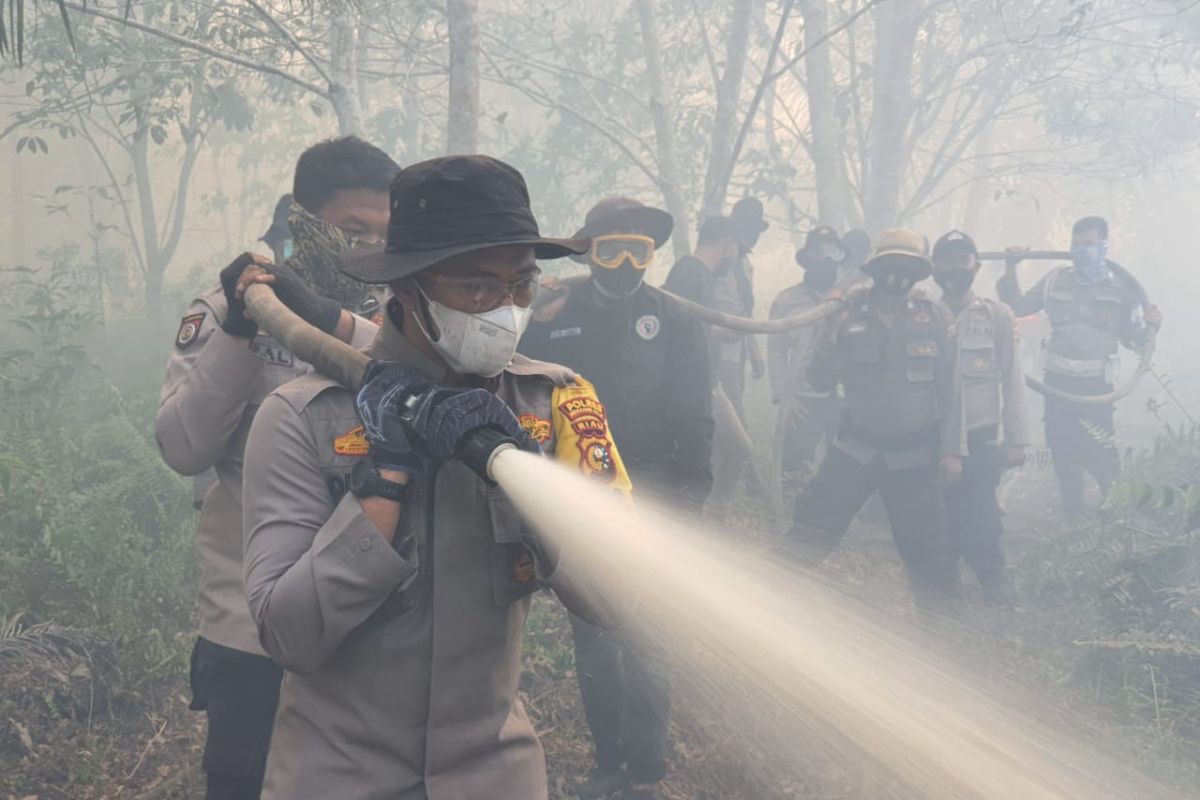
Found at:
[390, 345]
[974, 301]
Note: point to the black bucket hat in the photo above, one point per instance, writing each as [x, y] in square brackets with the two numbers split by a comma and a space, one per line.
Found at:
[448, 206]
[626, 215]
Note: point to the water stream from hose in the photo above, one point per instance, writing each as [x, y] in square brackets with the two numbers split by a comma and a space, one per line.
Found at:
[810, 668]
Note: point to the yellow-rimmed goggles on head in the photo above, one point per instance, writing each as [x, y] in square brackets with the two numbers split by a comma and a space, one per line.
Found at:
[610, 250]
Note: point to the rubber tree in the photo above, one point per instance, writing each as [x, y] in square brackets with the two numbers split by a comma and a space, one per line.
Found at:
[462, 122]
[834, 199]
[725, 117]
[896, 25]
[662, 111]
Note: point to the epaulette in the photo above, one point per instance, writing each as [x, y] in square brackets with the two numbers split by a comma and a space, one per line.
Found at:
[300, 392]
[214, 298]
[556, 373]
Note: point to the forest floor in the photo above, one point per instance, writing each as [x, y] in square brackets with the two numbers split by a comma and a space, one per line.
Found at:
[150, 749]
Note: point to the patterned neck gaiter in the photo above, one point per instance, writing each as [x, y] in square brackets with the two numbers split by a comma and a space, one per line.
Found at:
[316, 248]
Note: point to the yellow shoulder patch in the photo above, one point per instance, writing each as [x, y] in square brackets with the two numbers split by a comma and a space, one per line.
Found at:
[581, 425]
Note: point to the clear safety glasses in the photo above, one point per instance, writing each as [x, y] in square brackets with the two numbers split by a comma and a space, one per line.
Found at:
[481, 293]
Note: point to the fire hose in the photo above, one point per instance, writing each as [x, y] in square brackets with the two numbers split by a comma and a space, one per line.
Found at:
[479, 449]
[787, 407]
[1145, 352]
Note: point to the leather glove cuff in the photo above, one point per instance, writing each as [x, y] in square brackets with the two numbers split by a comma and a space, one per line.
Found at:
[236, 323]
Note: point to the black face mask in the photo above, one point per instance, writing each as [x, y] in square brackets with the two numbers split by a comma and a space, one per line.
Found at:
[896, 284]
[955, 281]
[619, 283]
[821, 276]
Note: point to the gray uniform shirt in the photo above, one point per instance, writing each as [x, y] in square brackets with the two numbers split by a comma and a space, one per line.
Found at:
[403, 658]
[213, 388]
[789, 352]
[993, 380]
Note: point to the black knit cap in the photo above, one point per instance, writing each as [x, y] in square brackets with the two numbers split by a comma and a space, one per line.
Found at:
[954, 243]
[448, 206]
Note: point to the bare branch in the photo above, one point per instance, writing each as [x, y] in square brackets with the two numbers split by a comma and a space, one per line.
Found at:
[183, 41]
[291, 40]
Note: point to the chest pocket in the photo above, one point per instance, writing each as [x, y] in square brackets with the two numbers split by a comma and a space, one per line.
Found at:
[862, 348]
[1103, 307]
[1060, 304]
[342, 446]
[920, 360]
[513, 569]
[977, 354]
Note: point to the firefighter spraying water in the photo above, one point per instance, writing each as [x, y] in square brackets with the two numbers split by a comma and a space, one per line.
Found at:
[763, 644]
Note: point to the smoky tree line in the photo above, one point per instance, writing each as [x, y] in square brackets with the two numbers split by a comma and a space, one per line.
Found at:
[860, 113]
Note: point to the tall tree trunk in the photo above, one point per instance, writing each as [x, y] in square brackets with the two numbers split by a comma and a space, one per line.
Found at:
[19, 206]
[661, 109]
[725, 119]
[896, 25]
[410, 123]
[148, 221]
[343, 67]
[981, 188]
[833, 187]
[462, 126]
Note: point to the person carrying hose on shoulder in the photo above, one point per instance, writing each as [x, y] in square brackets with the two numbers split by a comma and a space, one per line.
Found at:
[220, 369]
[1093, 309]
[386, 576]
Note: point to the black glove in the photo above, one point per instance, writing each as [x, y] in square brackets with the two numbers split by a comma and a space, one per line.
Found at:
[320, 312]
[406, 417]
[439, 418]
[385, 386]
[236, 322]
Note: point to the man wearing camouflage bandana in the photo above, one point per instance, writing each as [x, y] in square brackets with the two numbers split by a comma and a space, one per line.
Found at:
[219, 371]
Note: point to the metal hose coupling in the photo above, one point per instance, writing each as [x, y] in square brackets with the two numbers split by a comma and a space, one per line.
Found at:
[478, 449]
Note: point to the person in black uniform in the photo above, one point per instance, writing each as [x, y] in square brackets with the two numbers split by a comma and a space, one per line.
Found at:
[699, 277]
[649, 362]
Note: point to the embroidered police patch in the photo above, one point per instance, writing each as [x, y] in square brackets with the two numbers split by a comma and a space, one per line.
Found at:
[647, 327]
[537, 428]
[590, 424]
[352, 443]
[189, 329]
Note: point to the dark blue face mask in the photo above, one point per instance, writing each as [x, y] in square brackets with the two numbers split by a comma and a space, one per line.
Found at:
[1089, 261]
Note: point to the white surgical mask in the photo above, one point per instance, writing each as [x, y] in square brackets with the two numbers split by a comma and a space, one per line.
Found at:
[476, 344]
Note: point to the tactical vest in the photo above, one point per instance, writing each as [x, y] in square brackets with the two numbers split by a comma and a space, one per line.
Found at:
[1085, 325]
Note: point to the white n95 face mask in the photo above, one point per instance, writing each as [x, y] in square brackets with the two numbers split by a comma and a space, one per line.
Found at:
[476, 344]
